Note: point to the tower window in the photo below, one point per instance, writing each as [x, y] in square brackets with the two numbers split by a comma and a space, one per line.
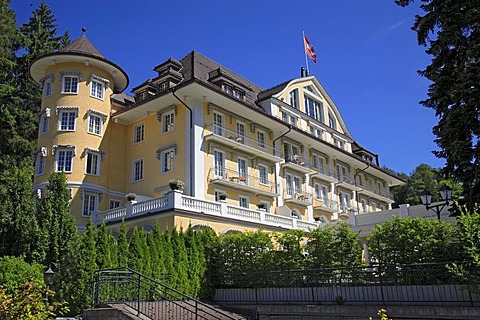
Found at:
[64, 160]
[70, 84]
[97, 89]
[67, 120]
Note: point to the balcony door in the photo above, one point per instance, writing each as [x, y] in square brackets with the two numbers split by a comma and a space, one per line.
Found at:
[218, 123]
[219, 163]
[242, 171]
[240, 132]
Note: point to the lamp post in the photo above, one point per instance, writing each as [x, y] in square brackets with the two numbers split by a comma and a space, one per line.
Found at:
[445, 194]
[48, 278]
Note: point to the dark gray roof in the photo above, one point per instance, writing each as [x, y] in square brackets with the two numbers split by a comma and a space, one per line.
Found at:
[202, 66]
[123, 98]
[270, 92]
[84, 46]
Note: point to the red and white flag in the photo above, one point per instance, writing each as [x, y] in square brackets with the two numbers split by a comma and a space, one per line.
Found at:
[309, 49]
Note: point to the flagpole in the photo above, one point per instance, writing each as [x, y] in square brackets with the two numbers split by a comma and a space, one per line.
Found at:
[306, 59]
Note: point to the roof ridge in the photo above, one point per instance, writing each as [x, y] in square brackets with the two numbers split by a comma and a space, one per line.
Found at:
[82, 45]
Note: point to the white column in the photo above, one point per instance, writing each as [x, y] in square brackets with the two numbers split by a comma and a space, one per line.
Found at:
[199, 151]
[354, 196]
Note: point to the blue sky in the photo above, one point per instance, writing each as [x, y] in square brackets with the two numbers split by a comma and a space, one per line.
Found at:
[367, 56]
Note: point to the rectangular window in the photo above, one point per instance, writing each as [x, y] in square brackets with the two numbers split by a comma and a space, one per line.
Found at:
[243, 202]
[97, 89]
[364, 205]
[94, 124]
[89, 204]
[93, 163]
[314, 108]
[242, 170]
[115, 204]
[321, 192]
[294, 98]
[64, 161]
[168, 122]
[40, 164]
[218, 124]
[162, 86]
[67, 120]
[240, 132]
[139, 133]
[70, 84]
[344, 201]
[332, 122]
[284, 116]
[47, 88]
[261, 139]
[293, 184]
[219, 163]
[168, 160]
[262, 170]
[137, 170]
[374, 206]
[44, 123]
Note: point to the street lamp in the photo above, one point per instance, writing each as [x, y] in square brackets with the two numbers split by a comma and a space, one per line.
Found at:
[48, 278]
[445, 194]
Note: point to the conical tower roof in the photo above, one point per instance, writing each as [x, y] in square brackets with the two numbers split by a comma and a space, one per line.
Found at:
[82, 45]
[80, 50]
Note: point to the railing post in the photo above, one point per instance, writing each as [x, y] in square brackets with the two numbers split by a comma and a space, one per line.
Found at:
[129, 210]
[262, 216]
[138, 297]
[223, 207]
[196, 310]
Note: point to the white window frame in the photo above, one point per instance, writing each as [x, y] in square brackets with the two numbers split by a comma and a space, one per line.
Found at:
[319, 189]
[364, 205]
[293, 184]
[72, 113]
[241, 132]
[332, 121]
[316, 108]
[95, 124]
[113, 204]
[219, 166]
[344, 200]
[40, 164]
[95, 164]
[139, 133]
[168, 122]
[218, 126]
[89, 198]
[261, 139]
[137, 170]
[166, 165]
[47, 88]
[97, 89]
[263, 174]
[243, 202]
[44, 124]
[68, 154]
[373, 205]
[242, 169]
[293, 95]
[71, 89]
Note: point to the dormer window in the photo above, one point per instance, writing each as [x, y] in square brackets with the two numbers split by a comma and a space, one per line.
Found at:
[163, 86]
[142, 95]
[238, 94]
[228, 88]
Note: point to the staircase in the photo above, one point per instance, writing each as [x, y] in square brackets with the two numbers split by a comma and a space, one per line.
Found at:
[137, 296]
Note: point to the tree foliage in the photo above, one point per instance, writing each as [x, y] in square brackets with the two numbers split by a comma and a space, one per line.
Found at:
[450, 29]
[14, 272]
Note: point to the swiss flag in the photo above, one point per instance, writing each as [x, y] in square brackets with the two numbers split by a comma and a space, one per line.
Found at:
[309, 49]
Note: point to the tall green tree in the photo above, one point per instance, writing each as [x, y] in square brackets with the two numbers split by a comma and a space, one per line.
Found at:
[122, 251]
[450, 29]
[19, 229]
[55, 220]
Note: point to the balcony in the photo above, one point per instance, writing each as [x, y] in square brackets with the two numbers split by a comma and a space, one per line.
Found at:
[297, 196]
[347, 181]
[372, 192]
[177, 201]
[296, 163]
[240, 181]
[240, 142]
[323, 173]
[325, 205]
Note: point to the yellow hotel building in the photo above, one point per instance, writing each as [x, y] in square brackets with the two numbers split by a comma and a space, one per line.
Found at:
[251, 158]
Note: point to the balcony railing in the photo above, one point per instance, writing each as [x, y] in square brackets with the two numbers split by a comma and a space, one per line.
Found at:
[325, 203]
[297, 163]
[323, 171]
[177, 201]
[297, 196]
[379, 192]
[241, 180]
[347, 178]
[241, 140]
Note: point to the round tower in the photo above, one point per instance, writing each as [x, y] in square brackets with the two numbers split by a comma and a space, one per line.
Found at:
[77, 82]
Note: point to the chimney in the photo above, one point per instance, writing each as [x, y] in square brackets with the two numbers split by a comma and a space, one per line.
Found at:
[302, 72]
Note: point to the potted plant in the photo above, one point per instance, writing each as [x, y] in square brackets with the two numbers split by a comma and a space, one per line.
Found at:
[131, 196]
[177, 184]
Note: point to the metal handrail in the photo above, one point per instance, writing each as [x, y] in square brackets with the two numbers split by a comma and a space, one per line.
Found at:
[148, 296]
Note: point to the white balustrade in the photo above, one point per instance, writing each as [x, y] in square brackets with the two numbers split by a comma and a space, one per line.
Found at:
[243, 213]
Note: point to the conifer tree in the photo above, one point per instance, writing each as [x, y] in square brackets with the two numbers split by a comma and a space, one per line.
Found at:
[196, 262]
[55, 219]
[123, 253]
[169, 258]
[75, 280]
[105, 252]
[19, 229]
[139, 255]
[158, 261]
[181, 262]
